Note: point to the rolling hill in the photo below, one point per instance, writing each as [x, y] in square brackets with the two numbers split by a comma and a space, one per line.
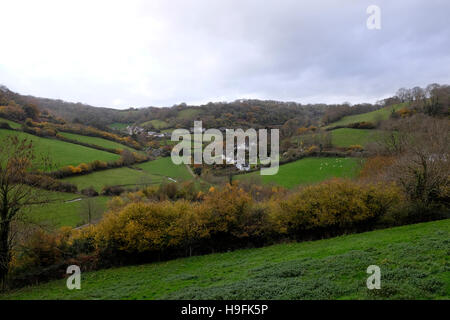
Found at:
[62, 153]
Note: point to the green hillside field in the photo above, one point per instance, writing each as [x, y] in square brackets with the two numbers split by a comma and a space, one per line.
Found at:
[66, 210]
[346, 137]
[118, 126]
[95, 141]
[309, 170]
[380, 114]
[156, 123]
[62, 153]
[413, 260]
[12, 124]
[147, 173]
[165, 167]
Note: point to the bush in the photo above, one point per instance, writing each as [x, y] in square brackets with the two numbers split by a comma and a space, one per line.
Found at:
[333, 208]
[112, 191]
[89, 192]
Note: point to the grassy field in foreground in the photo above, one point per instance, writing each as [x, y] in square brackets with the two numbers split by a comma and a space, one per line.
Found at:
[95, 141]
[414, 262]
[346, 137]
[62, 153]
[309, 170]
[68, 210]
[380, 114]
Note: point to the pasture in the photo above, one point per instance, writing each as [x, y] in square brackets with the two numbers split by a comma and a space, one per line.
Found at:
[346, 137]
[374, 116]
[308, 170]
[62, 153]
[96, 141]
[12, 124]
[413, 261]
[66, 210]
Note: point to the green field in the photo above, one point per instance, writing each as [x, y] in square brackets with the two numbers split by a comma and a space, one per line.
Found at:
[118, 126]
[12, 124]
[157, 124]
[346, 137]
[165, 167]
[147, 173]
[374, 116]
[67, 210]
[309, 170]
[413, 260]
[95, 141]
[62, 153]
[188, 113]
[126, 177]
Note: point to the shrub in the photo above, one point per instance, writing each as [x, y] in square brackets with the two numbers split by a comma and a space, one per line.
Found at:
[89, 192]
[332, 208]
[112, 190]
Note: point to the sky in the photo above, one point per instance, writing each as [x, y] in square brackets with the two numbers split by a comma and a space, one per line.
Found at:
[124, 54]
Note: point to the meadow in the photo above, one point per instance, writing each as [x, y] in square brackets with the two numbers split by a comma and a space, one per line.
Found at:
[346, 137]
[413, 260]
[67, 210]
[157, 124]
[62, 153]
[126, 177]
[12, 124]
[165, 167]
[118, 126]
[147, 173]
[308, 170]
[95, 141]
[374, 116]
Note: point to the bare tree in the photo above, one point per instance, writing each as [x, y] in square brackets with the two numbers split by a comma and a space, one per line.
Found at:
[420, 145]
[16, 160]
[90, 209]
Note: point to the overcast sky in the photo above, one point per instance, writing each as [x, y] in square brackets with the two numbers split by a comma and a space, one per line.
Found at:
[162, 52]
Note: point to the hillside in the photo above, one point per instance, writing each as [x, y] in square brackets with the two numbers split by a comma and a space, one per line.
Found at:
[62, 153]
[374, 116]
[413, 259]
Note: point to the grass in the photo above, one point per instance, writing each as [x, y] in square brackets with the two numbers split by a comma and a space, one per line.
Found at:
[188, 113]
[152, 172]
[118, 126]
[309, 170]
[66, 210]
[95, 141]
[126, 177]
[346, 137]
[60, 152]
[414, 262]
[165, 167]
[374, 116]
[157, 124]
[12, 124]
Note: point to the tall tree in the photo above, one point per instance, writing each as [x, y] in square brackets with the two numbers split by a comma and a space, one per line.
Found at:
[16, 158]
